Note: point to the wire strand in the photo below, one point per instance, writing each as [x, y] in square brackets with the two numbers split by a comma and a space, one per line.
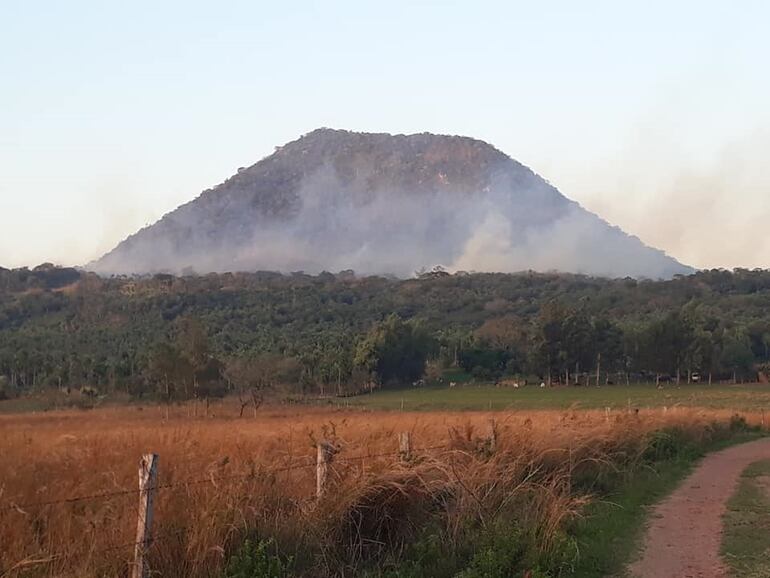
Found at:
[11, 506]
[118, 493]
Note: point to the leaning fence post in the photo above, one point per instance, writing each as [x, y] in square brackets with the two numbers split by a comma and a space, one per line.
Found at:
[324, 457]
[405, 446]
[148, 474]
[492, 434]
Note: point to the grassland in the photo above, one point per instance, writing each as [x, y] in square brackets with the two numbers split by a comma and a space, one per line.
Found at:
[746, 540]
[485, 397]
[458, 508]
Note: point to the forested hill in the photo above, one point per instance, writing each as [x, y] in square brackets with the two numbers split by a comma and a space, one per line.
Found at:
[385, 204]
[65, 327]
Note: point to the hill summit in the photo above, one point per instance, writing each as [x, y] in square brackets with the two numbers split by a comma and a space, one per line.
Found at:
[391, 204]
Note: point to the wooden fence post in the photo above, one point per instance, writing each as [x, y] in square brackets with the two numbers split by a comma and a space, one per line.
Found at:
[148, 475]
[607, 414]
[405, 446]
[324, 457]
[492, 435]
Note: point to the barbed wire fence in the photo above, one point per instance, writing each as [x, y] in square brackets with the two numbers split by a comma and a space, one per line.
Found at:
[327, 454]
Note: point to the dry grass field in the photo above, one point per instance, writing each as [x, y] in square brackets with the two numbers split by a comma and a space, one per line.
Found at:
[222, 478]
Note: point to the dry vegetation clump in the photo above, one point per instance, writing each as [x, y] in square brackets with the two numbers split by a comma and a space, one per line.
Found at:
[223, 479]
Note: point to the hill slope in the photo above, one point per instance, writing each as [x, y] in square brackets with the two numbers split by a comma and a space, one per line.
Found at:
[378, 203]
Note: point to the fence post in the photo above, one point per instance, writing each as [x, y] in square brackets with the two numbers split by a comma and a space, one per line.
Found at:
[148, 475]
[607, 414]
[324, 457]
[405, 446]
[492, 435]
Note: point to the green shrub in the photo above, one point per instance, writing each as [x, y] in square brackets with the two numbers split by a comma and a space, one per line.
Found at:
[669, 443]
[257, 559]
[512, 553]
[426, 556]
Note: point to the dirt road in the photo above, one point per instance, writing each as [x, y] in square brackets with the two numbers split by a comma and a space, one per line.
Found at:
[685, 530]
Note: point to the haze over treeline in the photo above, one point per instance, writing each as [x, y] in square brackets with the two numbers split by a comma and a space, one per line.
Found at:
[382, 204]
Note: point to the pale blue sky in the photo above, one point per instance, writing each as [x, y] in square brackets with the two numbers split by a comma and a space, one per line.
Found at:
[654, 114]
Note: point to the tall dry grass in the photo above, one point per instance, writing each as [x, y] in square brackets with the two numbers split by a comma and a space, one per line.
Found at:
[222, 478]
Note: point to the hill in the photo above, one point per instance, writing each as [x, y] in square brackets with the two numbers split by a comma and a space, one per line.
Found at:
[385, 204]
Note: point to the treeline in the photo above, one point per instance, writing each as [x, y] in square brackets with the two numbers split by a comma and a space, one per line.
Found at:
[178, 337]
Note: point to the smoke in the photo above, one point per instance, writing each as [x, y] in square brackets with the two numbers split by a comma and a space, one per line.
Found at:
[707, 210]
[514, 223]
[578, 241]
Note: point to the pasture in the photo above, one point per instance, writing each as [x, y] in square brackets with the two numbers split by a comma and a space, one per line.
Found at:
[457, 503]
[486, 397]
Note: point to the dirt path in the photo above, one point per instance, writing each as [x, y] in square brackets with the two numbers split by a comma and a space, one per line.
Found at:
[685, 530]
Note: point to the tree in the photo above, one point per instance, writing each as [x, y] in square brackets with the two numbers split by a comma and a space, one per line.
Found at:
[184, 368]
[193, 345]
[508, 333]
[704, 353]
[485, 362]
[579, 345]
[665, 343]
[4, 388]
[171, 371]
[500, 346]
[736, 354]
[394, 351]
[607, 339]
[252, 376]
[549, 341]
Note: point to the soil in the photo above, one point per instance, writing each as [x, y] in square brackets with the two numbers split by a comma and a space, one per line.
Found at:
[684, 533]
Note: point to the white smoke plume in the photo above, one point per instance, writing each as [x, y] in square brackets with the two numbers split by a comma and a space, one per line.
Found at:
[710, 212]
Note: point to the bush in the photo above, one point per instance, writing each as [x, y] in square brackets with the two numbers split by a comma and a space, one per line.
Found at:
[512, 551]
[667, 444]
[428, 555]
[257, 559]
[501, 557]
[738, 423]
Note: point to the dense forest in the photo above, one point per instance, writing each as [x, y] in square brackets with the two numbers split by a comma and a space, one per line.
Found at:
[190, 336]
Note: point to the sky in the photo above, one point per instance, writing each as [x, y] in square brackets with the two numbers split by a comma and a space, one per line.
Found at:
[652, 114]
